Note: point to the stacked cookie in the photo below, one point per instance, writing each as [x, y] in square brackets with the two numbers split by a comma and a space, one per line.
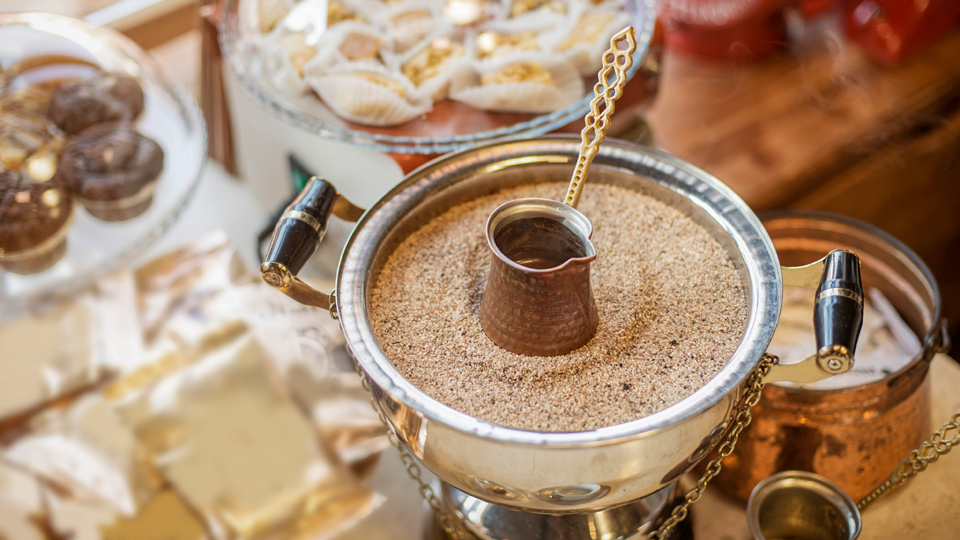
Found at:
[63, 141]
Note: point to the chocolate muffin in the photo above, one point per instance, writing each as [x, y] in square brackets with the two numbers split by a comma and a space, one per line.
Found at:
[34, 218]
[112, 170]
[77, 105]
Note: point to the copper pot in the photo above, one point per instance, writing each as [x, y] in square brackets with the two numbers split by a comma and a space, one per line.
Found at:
[853, 436]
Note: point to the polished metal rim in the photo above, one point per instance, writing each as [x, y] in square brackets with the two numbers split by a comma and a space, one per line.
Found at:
[730, 213]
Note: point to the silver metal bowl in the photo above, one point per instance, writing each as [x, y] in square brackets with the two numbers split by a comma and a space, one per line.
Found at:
[557, 472]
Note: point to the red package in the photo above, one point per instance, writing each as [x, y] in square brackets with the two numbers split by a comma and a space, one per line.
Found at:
[892, 30]
[724, 29]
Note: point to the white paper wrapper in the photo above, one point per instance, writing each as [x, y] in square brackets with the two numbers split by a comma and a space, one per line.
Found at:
[470, 13]
[285, 55]
[87, 452]
[70, 345]
[535, 8]
[227, 438]
[370, 95]
[349, 43]
[189, 292]
[16, 525]
[271, 12]
[511, 36]
[78, 519]
[21, 504]
[563, 88]
[409, 23]
[586, 36]
[431, 63]
[301, 36]
[306, 352]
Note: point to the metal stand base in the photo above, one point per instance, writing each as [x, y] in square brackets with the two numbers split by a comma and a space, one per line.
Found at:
[484, 521]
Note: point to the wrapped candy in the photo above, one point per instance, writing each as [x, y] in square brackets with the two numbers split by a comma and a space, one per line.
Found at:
[78, 519]
[185, 294]
[87, 453]
[66, 347]
[225, 436]
[21, 504]
[371, 95]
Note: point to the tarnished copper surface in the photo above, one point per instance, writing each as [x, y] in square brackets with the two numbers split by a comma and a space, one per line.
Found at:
[853, 436]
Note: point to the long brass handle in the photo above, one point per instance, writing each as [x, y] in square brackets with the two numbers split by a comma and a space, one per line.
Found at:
[615, 63]
[297, 236]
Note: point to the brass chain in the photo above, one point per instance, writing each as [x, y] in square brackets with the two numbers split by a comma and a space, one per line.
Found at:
[941, 442]
[447, 521]
[741, 420]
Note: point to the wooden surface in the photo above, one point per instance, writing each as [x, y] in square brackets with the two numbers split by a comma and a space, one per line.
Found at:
[924, 507]
[824, 128]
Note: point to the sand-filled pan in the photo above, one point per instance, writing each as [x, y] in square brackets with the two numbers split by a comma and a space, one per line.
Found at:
[521, 468]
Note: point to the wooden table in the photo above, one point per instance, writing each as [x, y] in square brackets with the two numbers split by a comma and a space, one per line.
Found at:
[824, 128]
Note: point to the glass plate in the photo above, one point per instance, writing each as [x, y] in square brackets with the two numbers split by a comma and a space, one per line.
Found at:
[170, 117]
[239, 50]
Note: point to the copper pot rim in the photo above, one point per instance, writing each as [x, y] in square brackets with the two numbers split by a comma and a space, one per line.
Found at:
[936, 338]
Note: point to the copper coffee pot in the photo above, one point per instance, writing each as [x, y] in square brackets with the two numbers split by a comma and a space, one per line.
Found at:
[538, 300]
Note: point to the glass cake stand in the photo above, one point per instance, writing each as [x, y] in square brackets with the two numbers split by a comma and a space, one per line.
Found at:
[238, 30]
[170, 117]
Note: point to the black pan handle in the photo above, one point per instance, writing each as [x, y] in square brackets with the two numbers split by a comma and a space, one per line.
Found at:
[297, 235]
[838, 311]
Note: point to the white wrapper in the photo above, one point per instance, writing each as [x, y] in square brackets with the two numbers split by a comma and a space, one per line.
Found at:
[585, 36]
[285, 55]
[564, 88]
[21, 504]
[371, 95]
[335, 49]
[271, 12]
[433, 80]
[299, 37]
[17, 525]
[88, 452]
[78, 519]
[511, 36]
[227, 438]
[517, 9]
[67, 346]
[411, 22]
[469, 13]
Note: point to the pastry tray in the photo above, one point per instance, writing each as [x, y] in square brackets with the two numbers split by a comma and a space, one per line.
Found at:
[238, 31]
[170, 117]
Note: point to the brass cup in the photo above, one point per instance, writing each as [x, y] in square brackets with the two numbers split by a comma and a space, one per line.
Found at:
[538, 300]
[799, 505]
